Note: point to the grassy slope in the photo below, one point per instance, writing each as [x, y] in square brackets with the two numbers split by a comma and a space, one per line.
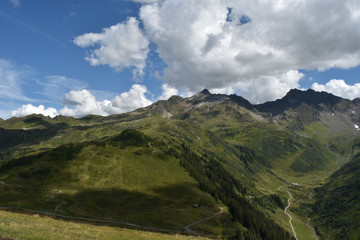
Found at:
[293, 158]
[93, 178]
[111, 179]
[290, 157]
[338, 203]
[35, 227]
[36, 133]
[296, 158]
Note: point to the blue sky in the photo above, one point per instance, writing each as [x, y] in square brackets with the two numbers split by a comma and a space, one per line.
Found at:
[78, 57]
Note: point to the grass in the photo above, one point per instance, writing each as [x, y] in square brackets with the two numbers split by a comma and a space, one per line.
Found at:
[35, 227]
[122, 179]
[297, 158]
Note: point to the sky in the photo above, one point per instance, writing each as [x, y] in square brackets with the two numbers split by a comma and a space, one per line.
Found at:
[80, 57]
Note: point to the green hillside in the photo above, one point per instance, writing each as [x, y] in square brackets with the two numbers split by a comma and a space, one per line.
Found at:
[240, 163]
[126, 178]
[338, 203]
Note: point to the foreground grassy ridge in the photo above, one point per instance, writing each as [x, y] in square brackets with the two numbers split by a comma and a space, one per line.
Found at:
[131, 177]
[127, 178]
[35, 227]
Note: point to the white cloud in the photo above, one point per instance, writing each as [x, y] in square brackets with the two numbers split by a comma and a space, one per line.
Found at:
[120, 46]
[16, 3]
[11, 78]
[225, 90]
[147, 1]
[339, 88]
[131, 100]
[187, 93]
[167, 92]
[30, 109]
[82, 102]
[268, 88]
[263, 41]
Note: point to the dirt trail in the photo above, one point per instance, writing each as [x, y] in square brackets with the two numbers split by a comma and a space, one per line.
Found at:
[285, 211]
[312, 229]
[202, 220]
[290, 218]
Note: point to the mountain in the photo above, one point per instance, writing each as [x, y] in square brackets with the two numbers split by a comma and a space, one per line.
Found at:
[211, 165]
[294, 98]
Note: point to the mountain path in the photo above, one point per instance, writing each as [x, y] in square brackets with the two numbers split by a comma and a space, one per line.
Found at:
[202, 220]
[285, 211]
[205, 219]
[312, 229]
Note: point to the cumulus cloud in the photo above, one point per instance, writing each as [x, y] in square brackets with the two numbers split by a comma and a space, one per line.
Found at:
[82, 102]
[167, 92]
[339, 88]
[224, 43]
[79, 103]
[120, 46]
[30, 109]
[133, 99]
[268, 88]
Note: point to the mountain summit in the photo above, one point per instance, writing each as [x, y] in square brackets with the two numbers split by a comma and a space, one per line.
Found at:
[205, 92]
[295, 97]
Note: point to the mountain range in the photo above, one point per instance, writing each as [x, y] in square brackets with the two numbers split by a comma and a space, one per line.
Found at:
[211, 165]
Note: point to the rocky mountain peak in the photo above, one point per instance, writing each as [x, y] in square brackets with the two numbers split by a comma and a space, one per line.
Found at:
[295, 97]
[205, 92]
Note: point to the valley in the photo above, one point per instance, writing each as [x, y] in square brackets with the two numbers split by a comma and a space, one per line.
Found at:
[211, 165]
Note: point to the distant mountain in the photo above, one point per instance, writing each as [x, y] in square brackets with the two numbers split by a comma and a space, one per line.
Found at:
[152, 165]
[295, 97]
